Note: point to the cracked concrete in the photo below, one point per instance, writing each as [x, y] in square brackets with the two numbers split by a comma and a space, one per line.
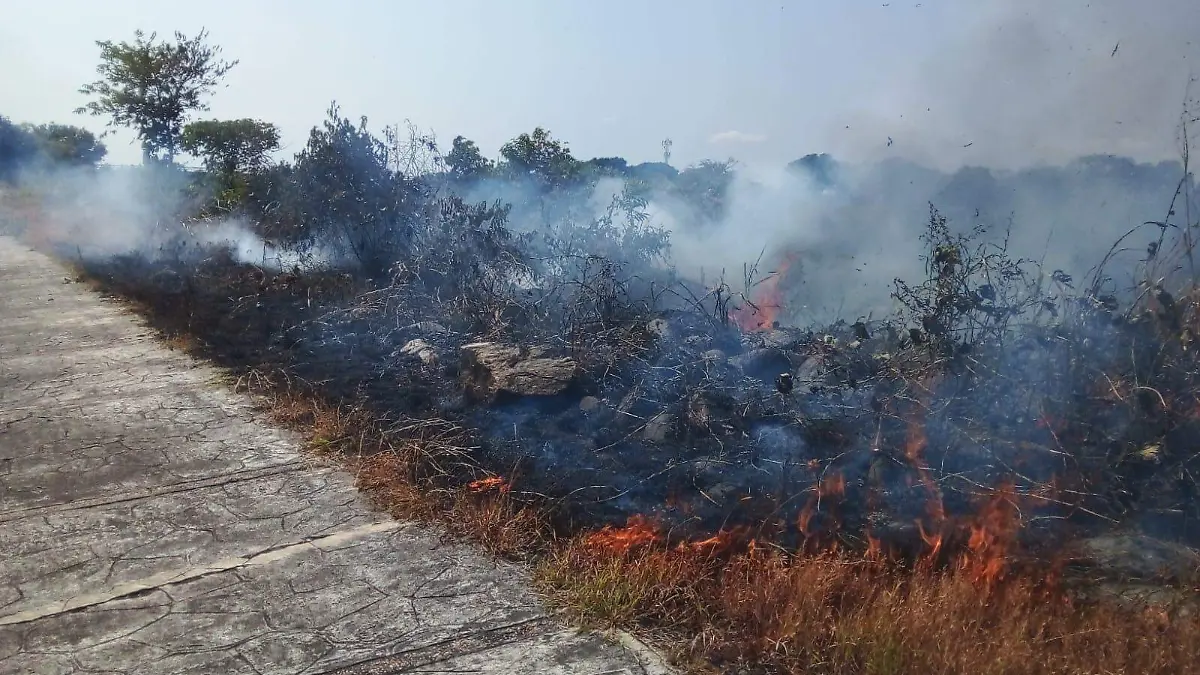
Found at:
[150, 523]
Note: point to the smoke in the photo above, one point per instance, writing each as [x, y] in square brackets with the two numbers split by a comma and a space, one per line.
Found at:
[847, 242]
[1016, 122]
[1020, 82]
[95, 214]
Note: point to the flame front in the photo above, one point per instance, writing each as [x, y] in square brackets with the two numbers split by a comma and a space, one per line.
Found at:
[638, 532]
[761, 311]
[485, 484]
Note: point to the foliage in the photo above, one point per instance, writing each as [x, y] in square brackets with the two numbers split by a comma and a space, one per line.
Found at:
[612, 167]
[230, 147]
[347, 194]
[68, 144]
[17, 146]
[973, 290]
[465, 256]
[151, 86]
[24, 146]
[705, 186]
[411, 151]
[821, 168]
[465, 164]
[541, 157]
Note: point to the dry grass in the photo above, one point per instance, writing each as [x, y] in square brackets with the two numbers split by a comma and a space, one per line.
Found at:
[835, 613]
[396, 465]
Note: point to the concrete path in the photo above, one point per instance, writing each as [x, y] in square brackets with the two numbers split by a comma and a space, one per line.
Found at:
[150, 524]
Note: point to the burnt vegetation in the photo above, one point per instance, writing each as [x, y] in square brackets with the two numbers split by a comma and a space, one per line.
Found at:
[511, 337]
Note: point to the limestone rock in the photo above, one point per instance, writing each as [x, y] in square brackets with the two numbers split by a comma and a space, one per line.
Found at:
[490, 369]
[421, 350]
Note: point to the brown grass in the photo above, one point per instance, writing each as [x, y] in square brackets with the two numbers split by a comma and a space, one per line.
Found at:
[837, 613]
[397, 466]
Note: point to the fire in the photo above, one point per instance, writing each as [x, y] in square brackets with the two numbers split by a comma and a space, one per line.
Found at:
[804, 520]
[721, 542]
[993, 535]
[933, 540]
[760, 312]
[831, 486]
[485, 484]
[639, 531]
[875, 551]
[914, 451]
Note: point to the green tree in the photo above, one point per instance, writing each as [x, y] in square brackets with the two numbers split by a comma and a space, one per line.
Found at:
[68, 144]
[151, 86]
[465, 163]
[542, 157]
[231, 147]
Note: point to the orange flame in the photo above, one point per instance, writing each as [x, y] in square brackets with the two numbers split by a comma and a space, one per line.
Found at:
[639, 531]
[874, 549]
[914, 451]
[760, 312]
[993, 535]
[832, 486]
[933, 540]
[492, 483]
[804, 520]
[723, 541]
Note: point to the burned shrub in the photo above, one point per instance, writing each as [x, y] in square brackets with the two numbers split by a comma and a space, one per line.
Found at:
[973, 292]
[350, 199]
[468, 267]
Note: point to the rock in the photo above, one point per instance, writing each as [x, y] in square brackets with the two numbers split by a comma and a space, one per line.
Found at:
[589, 403]
[764, 364]
[490, 369]
[711, 412]
[659, 428]
[713, 356]
[784, 383]
[660, 328]
[421, 350]
[776, 338]
[1135, 556]
[812, 372]
[428, 328]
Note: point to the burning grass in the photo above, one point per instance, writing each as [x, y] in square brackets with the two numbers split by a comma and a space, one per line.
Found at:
[840, 612]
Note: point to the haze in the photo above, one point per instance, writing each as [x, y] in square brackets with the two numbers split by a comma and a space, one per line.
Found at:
[949, 83]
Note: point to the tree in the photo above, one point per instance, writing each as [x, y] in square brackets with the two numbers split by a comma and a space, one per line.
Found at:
[17, 146]
[152, 86]
[607, 166]
[540, 156]
[349, 196]
[465, 163]
[705, 186]
[68, 144]
[821, 168]
[230, 147]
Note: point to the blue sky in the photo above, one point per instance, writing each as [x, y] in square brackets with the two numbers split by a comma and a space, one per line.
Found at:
[986, 81]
